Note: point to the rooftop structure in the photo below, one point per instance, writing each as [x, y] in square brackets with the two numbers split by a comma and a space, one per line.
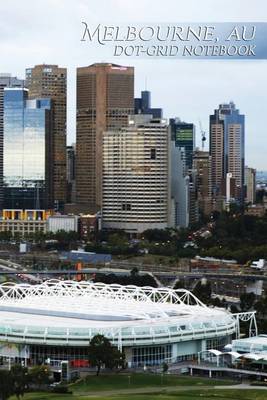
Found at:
[71, 313]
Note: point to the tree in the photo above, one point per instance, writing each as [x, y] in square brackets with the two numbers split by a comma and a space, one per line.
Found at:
[101, 352]
[247, 300]
[39, 375]
[202, 291]
[6, 385]
[19, 377]
[165, 367]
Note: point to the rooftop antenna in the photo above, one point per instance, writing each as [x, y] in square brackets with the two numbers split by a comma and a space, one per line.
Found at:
[203, 136]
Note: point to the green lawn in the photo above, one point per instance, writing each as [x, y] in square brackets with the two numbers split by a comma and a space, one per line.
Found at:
[127, 381]
[188, 395]
[180, 388]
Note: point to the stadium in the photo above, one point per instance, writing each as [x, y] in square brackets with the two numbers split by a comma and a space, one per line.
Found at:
[55, 321]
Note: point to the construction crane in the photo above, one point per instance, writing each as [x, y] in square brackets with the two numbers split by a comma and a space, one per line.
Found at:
[203, 136]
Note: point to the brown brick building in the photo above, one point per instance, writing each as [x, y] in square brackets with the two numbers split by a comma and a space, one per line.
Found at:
[105, 98]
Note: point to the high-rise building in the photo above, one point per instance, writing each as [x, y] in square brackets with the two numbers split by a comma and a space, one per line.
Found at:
[193, 200]
[105, 98]
[230, 190]
[183, 134]
[180, 185]
[142, 105]
[6, 80]
[71, 173]
[202, 166]
[50, 81]
[250, 183]
[27, 147]
[227, 149]
[137, 176]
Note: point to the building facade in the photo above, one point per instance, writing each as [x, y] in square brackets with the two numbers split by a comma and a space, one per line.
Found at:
[23, 223]
[71, 187]
[202, 166]
[6, 80]
[27, 133]
[105, 98]
[136, 176]
[183, 134]
[50, 81]
[250, 183]
[227, 149]
[180, 188]
[67, 223]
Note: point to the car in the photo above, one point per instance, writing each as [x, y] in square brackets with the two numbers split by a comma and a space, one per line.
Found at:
[54, 384]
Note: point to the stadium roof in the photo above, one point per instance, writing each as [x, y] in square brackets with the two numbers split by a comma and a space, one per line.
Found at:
[66, 310]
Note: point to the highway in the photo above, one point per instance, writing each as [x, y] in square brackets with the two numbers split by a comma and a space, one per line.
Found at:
[4, 270]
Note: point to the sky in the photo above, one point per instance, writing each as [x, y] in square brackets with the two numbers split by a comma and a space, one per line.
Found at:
[49, 31]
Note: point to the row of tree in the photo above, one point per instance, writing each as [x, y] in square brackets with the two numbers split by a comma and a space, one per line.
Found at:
[134, 278]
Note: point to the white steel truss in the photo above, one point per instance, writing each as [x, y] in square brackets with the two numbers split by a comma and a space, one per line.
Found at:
[248, 316]
[110, 300]
[127, 315]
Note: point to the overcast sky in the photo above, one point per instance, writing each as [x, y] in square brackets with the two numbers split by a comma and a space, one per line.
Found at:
[49, 31]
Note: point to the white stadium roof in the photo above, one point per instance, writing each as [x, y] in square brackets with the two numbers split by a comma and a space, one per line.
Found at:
[71, 313]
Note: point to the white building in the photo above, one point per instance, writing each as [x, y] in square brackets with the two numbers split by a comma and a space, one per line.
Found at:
[66, 223]
[137, 176]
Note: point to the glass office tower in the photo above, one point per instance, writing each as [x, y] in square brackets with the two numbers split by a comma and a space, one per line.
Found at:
[184, 136]
[6, 80]
[27, 138]
[227, 149]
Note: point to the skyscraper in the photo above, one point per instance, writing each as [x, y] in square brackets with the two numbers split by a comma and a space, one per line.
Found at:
[71, 173]
[250, 183]
[50, 81]
[139, 176]
[105, 98]
[180, 185]
[142, 105]
[27, 146]
[202, 166]
[227, 148]
[183, 134]
[6, 80]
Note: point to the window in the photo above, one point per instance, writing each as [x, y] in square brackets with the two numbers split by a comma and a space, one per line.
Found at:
[126, 207]
[153, 154]
[151, 355]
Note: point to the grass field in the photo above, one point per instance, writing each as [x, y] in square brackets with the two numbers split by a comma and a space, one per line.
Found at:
[124, 381]
[150, 387]
[210, 394]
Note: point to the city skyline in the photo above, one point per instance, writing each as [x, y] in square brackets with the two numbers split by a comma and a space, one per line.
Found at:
[186, 89]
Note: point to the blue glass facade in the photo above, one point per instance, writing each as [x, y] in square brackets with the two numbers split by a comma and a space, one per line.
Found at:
[27, 127]
[233, 150]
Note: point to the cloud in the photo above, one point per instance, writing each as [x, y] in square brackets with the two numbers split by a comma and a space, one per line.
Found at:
[34, 31]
